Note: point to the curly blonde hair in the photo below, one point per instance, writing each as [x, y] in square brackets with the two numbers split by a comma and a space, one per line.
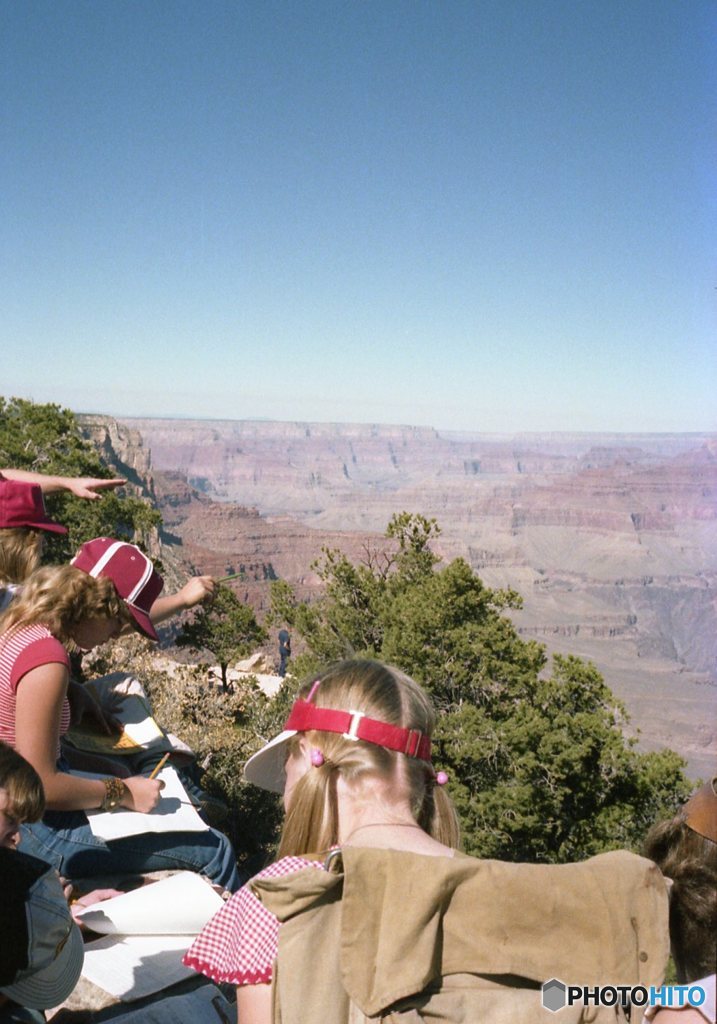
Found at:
[20, 551]
[60, 597]
[381, 692]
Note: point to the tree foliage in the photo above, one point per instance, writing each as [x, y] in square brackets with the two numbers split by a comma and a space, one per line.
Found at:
[47, 439]
[223, 730]
[226, 628]
[539, 763]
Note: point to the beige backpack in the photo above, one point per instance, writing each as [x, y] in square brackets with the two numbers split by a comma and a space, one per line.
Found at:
[397, 937]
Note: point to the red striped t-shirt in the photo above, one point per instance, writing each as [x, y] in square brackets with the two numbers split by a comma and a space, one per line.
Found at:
[22, 650]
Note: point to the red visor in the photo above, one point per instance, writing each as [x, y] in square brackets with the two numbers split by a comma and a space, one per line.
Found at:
[355, 725]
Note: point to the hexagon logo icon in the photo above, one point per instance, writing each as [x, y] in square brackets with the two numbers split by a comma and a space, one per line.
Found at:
[553, 995]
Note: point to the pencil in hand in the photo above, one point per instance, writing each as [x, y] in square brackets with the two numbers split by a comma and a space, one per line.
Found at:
[158, 767]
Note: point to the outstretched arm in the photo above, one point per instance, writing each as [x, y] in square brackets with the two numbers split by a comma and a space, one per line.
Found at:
[196, 591]
[88, 487]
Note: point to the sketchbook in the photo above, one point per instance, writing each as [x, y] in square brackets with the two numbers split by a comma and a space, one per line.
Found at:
[175, 812]
[145, 934]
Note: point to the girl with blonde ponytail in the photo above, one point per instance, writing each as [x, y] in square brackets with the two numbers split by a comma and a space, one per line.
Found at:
[377, 780]
[372, 914]
[354, 766]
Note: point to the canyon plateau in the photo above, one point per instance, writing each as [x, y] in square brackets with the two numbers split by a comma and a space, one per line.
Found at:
[610, 539]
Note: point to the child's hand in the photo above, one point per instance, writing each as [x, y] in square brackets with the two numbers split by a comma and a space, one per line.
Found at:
[198, 590]
[141, 794]
[88, 899]
[88, 486]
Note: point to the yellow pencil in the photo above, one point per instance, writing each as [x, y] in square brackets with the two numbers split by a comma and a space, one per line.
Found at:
[159, 766]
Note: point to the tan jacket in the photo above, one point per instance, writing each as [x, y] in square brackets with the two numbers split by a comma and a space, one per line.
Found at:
[399, 937]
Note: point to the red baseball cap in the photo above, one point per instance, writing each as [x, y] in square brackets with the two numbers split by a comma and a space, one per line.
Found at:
[137, 581]
[22, 504]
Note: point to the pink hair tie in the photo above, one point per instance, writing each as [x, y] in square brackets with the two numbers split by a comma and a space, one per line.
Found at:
[317, 758]
[314, 687]
[441, 778]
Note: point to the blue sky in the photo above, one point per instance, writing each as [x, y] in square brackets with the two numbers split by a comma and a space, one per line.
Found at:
[496, 215]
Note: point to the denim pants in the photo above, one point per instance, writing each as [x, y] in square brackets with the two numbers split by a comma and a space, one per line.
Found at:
[65, 840]
[12, 1013]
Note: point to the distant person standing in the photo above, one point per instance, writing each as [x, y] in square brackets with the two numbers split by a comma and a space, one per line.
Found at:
[284, 650]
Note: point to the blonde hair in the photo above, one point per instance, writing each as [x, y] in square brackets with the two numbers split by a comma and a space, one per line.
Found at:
[20, 551]
[60, 597]
[26, 797]
[384, 693]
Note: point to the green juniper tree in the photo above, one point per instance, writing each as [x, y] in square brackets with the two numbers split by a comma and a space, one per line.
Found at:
[226, 628]
[540, 767]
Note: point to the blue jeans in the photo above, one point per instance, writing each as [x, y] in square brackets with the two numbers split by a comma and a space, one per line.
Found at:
[65, 840]
[12, 1013]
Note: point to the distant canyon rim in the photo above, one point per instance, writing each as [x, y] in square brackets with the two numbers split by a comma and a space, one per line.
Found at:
[611, 539]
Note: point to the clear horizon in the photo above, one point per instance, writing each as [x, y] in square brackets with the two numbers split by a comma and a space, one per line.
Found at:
[708, 434]
[483, 217]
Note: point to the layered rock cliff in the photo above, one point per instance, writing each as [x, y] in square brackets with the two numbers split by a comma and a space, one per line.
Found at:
[611, 540]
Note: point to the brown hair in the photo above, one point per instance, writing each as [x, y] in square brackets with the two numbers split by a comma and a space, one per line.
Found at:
[20, 549]
[22, 784]
[60, 597]
[690, 860]
[384, 693]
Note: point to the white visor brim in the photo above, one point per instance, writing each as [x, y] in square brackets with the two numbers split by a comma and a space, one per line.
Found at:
[267, 768]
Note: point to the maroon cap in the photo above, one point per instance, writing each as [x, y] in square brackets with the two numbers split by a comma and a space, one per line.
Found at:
[137, 581]
[21, 504]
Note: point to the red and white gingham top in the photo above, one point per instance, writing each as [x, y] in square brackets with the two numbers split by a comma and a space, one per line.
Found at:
[240, 943]
[22, 650]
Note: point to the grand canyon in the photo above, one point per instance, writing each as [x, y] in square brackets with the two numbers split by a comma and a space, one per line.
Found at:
[610, 539]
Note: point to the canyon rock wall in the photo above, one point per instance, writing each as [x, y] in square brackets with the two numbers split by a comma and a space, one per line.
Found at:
[611, 539]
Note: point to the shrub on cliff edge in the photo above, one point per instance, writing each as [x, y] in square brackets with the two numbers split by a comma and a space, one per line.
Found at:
[539, 764]
[226, 628]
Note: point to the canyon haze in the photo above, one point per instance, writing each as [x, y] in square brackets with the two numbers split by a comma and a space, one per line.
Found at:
[611, 539]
